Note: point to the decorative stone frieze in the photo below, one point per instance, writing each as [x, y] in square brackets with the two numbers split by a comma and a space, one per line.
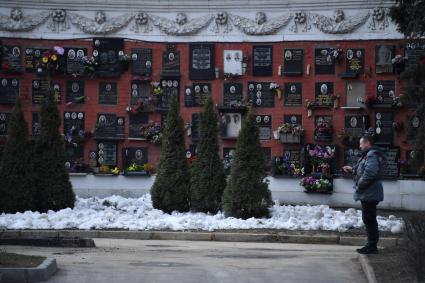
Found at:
[379, 19]
[181, 26]
[260, 26]
[338, 23]
[100, 24]
[17, 22]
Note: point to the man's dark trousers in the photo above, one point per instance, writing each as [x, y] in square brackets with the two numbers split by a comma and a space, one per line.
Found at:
[369, 220]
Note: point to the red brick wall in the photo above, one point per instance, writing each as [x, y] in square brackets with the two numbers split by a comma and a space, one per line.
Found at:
[91, 106]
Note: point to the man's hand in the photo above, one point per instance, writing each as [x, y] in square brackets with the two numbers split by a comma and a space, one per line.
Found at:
[347, 169]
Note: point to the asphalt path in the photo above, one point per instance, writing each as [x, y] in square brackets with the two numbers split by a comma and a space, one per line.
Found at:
[128, 261]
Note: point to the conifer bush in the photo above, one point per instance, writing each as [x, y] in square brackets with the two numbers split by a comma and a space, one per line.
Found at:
[17, 191]
[246, 194]
[54, 189]
[170, 191]
[208, 180]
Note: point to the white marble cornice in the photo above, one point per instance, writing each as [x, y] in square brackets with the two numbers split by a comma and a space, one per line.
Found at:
[286, 22]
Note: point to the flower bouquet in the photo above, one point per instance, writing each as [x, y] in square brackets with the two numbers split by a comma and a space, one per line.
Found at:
[316, 185]
[290, 133]
[152, 132]
[51, 61]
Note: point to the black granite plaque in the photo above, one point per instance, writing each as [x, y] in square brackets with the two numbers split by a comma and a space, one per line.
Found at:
[201, 92]
[107, 153]
[74, 57]
[260, 94]
[323, 128]
[74, 153]
[4, 120]
[35, 124]
[9, 90]
[171, 61]
[232, 94]
[201, 61]
[293, 119]
[383, 57]
[355, 60]
[324, 62]
[134, 155]
[40, 89]
[106, 51]
[384, 127]
[354, 128]
[141, 62]
[33, 57]
[385, 93]
[109, 126]
[75, 92]
[135, 124]
[414, 52]
[170, 88]
[413, 125]
[262, 65]
[195, 129]
[73, 125]
[390, 162]
[11, 59]
[141, 91]
[108, 93]
[293, 94]
[293, 62]
[351, 155]
[188, 96]
[264, 123]
[412, 164]
[323, 94]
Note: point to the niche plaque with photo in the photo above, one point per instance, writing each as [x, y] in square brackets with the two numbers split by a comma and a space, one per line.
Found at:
[108, 93]
[171, 61]
[11, 59]
[9, 90]
[201, 61]
[324, 93]
[264, 123]
[107, 52]
[324, 62]
[260, 94]
[262, 65]
[141, 61]
[293, 62]
[293, 94]
[384, 132]
[383, 57]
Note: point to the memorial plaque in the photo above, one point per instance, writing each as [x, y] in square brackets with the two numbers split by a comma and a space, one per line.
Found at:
[107, 51]
[293, 94]
[109, 126]
[260, 94]
[74, 57]
[385, 93]
[108, 93]
[232, 94]
[35, 124]
[293, 119]
[264, 123]
[171, 61]
[384, 127]
[75, 92]
[323, 94]
[285, 165]
[170, 87]
[74, 153]
[230, 125]
[351, 156]
[107, 153]
[141, 62]
[293, 62]
[201, 61]
[262, 65]
[9, 90]
[383, 57]
[323, 128]
[188, 96]
[40, 89]
[354, 128]
[413, 165]
[33, 58]
[390, 164]
[4, 120]
[141, 91]
[73, 125]
[135, 124]
[201, 92]
[413, 126]
[414, 52]
[134, 155]
[232, 61]
[324, 62]
[355, 60]
[195, 129]
[11, 59]
[355, 92]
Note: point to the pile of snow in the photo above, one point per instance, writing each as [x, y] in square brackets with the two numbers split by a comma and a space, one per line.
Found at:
[138, 214]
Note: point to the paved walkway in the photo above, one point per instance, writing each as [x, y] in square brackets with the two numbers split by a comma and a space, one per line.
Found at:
[128, 261]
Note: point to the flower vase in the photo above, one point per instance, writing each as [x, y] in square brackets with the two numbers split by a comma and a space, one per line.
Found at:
[336, 103]
[309, 112]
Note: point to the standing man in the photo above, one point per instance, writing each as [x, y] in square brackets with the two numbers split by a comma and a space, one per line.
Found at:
[368, 190]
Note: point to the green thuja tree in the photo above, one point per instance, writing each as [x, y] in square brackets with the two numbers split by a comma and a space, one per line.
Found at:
[409, 17]
[17, 190]
[170, 191]
[208, 180]
[246, 194]
[54, 189]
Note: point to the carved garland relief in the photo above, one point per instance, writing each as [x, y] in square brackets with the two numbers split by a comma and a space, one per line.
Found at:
[222, 22]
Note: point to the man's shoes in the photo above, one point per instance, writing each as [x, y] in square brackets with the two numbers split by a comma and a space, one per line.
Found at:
[366, 250]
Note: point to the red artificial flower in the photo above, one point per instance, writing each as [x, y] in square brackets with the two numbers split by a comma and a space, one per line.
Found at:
[6, 66]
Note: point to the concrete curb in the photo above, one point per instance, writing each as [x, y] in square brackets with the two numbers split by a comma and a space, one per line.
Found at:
[367, 269]
[40, 273]
[278, 237]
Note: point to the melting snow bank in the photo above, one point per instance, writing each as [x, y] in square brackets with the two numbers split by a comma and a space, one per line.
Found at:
[138, 214]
